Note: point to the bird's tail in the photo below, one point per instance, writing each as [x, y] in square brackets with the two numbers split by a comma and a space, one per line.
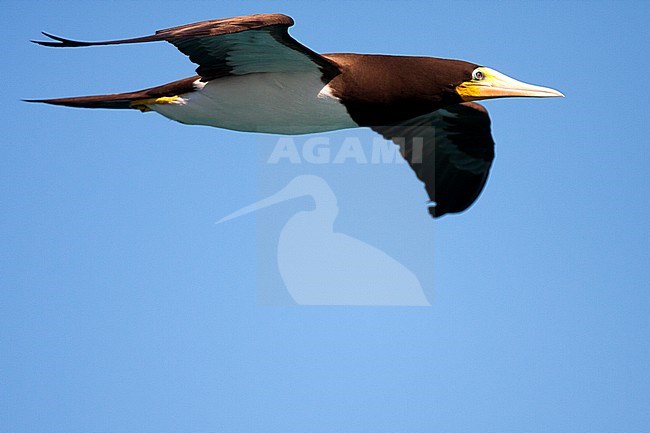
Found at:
[138, 99]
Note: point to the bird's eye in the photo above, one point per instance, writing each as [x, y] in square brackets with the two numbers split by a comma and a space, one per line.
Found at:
[478, 75]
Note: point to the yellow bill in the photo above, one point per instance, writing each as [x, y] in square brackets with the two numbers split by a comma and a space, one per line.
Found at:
[487, 83]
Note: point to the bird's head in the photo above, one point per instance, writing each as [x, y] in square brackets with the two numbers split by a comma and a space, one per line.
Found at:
[486, 83]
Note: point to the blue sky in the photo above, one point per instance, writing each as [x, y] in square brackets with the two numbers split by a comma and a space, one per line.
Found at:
[125, 308]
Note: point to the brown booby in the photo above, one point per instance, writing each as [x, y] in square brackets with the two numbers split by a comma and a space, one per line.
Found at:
[254, 77]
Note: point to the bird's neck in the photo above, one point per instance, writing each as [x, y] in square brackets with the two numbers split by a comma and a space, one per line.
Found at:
[386, 90]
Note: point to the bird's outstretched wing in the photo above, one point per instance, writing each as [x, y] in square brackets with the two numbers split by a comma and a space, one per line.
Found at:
[231, 46]
[450, 150]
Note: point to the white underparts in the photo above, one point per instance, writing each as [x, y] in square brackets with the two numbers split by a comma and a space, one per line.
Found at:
[276, 102]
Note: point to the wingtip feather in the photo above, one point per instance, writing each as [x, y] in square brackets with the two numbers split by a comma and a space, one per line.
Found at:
[58, 41]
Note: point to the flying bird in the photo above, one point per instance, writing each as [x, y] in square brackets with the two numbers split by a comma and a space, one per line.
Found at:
[254, 77]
